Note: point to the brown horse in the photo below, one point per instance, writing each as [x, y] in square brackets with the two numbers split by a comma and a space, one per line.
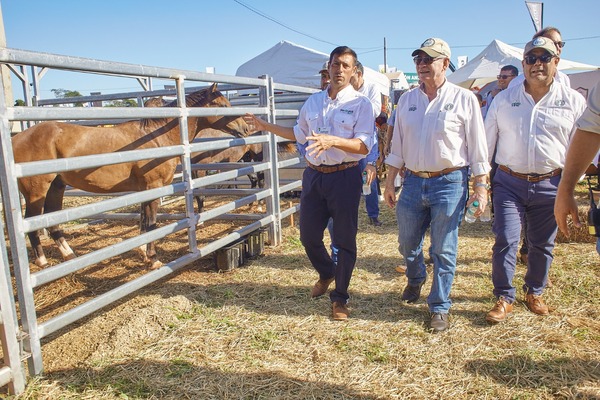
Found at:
[246, 153]
[54, 140]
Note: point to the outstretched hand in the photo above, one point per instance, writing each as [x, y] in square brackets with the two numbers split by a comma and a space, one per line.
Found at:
[255, 124]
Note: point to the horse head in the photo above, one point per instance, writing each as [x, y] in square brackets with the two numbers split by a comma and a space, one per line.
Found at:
[211, 97]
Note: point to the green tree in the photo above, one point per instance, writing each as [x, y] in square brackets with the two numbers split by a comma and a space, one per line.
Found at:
[122, 103]
[19, 103]
[63, 94]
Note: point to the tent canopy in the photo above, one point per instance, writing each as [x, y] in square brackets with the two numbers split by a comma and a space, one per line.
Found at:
[486, 65]
[293, 64]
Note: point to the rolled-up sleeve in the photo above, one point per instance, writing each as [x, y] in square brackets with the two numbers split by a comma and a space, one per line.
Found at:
[590, 119]
[477, 147]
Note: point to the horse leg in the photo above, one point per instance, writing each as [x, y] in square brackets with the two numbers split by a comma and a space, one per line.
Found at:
[54, 202]
[199, 199]
[148, 223]
[34, 237]
[259, 181]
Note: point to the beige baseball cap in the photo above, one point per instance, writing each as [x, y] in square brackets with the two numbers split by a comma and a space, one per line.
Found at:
[541, 43]
[325, 67]
[434, 47]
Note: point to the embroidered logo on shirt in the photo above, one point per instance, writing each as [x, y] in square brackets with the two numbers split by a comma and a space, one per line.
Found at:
[515, 104]
[560, 103]
[412, 107]
[345, 111]
[448, 106]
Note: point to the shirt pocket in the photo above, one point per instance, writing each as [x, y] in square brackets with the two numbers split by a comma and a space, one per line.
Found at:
[559, 120]
[313, 123]
[344, 125]
[448, 122]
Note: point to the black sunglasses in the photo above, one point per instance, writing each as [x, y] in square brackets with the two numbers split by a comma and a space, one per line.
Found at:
[530, 60]
[559, 44]
[425, 60]
[503, 76]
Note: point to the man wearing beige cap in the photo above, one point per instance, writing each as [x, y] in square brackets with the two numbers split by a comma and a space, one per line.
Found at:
[324, 72]
[438, 135]
[530, 127]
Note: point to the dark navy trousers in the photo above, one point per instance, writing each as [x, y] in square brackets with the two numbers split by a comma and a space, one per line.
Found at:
[516, 200]
[335, 195]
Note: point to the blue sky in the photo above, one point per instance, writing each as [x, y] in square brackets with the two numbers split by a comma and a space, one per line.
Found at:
[224, 34]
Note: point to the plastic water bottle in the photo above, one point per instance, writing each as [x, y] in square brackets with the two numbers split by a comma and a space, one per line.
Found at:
[487, 213]
[470, 213]
[366, 189]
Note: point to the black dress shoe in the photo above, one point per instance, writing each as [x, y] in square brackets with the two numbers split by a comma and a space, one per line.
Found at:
[439, 322]
[412, 293]
[375, 221]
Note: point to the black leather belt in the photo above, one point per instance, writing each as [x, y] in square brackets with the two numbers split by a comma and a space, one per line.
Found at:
[328, 169]
[531, 177]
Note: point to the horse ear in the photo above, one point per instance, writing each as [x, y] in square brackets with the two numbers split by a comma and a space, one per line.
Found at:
[213, 87]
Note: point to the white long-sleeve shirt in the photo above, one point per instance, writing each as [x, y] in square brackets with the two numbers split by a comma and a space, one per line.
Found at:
[444, 133]
[532, 138]
[349, 115]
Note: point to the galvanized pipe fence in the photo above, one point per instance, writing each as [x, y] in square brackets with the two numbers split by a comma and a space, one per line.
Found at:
[23, 340]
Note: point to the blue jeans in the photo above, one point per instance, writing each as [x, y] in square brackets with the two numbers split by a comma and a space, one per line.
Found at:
[372, 199]
[516, 200]
[438, 203]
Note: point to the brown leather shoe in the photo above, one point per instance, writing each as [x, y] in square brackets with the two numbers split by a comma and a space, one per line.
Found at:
[439, 322]
[412, 293]
[340, 311]
[499, 312]
[321, 287]
[536, 304]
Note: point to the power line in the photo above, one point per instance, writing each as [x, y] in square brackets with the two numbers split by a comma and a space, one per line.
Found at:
[262, 14]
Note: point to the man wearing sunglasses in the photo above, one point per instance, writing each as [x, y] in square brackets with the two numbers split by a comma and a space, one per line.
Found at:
[555, 36]
[552, 33]
[506, 75]
[530, 127]
[438, 135]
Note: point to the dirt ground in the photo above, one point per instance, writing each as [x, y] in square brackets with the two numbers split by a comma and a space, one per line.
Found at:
[254, 333]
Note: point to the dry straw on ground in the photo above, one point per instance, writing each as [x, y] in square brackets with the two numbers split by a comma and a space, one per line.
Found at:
[254, 333]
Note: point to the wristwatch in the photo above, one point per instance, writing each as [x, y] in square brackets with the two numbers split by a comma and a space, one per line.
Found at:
[373, 163]
[481, 184]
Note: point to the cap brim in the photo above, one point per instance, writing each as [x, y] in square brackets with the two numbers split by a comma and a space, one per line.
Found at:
[429, 52]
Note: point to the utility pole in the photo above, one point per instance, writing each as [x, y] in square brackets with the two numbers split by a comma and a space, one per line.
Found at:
[384, 56]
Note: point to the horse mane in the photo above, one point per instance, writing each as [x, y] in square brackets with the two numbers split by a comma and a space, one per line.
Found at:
[195, 99]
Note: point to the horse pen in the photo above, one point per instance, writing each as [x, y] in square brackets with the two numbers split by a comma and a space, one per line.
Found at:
[197, 235]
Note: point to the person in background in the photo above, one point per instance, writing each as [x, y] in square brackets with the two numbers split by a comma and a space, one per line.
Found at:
[438, 136]
[506, 75]
[529, 126]
[338, 123]
[324, 76]
[583, 150]
[324, 83]
[369, 163]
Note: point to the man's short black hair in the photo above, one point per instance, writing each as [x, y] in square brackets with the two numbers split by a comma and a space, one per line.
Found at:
[341, 50]
[513, 70]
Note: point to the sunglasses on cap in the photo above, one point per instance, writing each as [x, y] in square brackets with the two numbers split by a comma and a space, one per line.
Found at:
[503, 76]
[425, 60]
[545, 59]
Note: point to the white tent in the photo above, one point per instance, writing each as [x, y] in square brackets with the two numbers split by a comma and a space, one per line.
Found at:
[293, 64]
[486, 65]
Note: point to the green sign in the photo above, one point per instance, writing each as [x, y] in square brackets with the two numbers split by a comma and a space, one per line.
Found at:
[411, 78]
